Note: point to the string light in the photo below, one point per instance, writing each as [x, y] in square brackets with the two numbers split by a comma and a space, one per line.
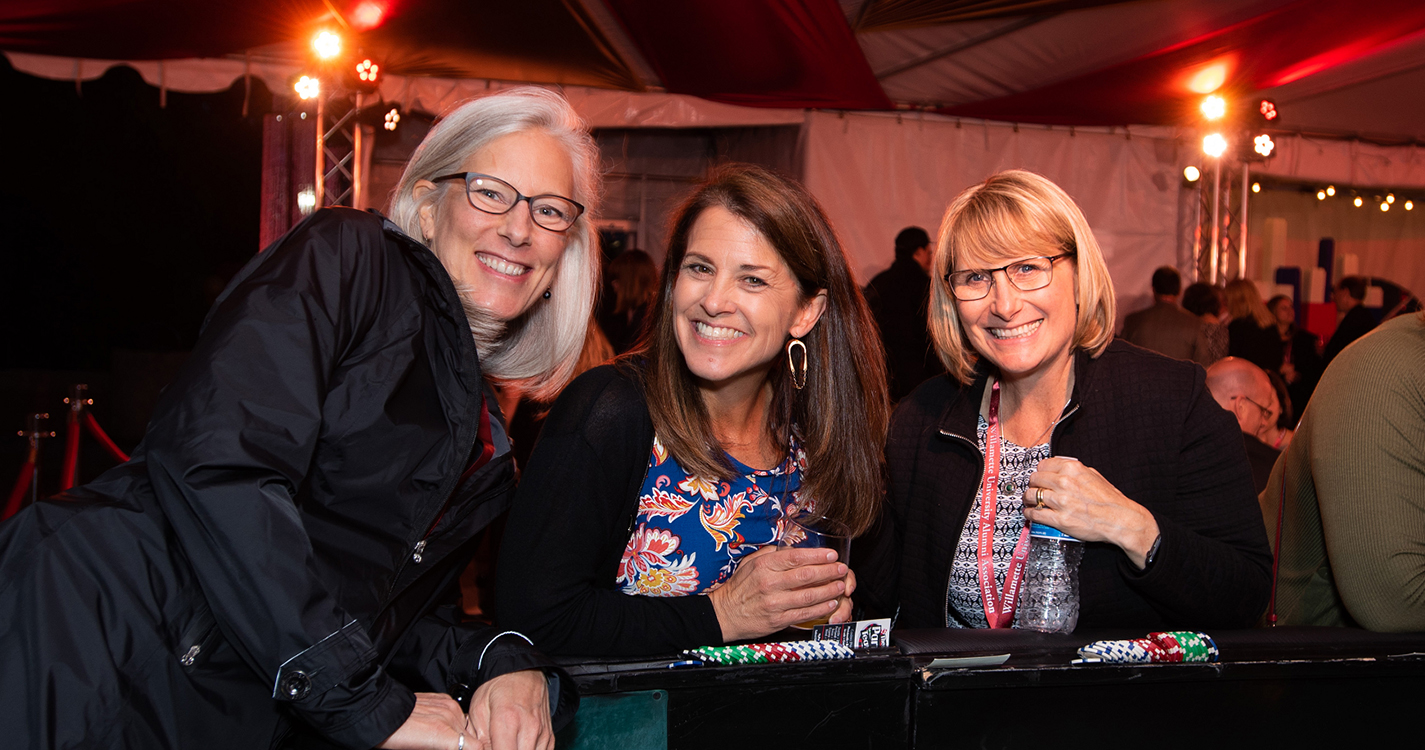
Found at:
[1192, 173]
[308, 87]
[1213, 107]
[1358, 202]
[1321, 195]
[1390, 197]
[1214, 145]
[1384, 206]
[327, 45]
[1256, 187]
[1330, 189]
[1410, 205]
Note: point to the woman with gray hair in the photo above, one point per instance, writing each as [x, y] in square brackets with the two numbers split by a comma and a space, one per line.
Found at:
[278, 562]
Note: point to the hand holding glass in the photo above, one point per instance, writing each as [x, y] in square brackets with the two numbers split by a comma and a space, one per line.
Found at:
[812, 531]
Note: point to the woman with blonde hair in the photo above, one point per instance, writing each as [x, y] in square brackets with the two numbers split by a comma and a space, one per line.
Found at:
[1114, 445]
[661, 485]
[279, 560]
[1252, 334]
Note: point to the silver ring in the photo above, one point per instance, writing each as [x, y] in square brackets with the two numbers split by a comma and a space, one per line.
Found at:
[461, 746]
[1039, 497]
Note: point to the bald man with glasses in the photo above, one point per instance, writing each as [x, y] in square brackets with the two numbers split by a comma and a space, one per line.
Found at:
[1244, 389]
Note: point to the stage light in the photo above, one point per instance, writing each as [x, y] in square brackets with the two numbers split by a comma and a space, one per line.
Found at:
[1384, 206]
[306, 200]
[1214, 145]
[1410, 205]
[1192, 173]
[368, 15]
[1263, 144]
[1330, 189]
[308, 87]
[1209, 78]
[1358, 202]
[327, 45]
[1267, 109]
[1321, 195]
[393, 118]
[1213, 107]
[367, 71]
[1390, 197]
[1256, 187]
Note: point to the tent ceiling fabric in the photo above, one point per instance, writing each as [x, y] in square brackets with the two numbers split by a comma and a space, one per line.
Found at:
[1334, 66]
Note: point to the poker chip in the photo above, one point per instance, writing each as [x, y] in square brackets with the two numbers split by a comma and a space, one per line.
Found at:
[761, 653]
[1170, 647]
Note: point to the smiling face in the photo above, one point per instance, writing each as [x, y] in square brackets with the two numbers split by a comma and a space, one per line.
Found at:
[503, 263]
[1024, 333]
[735, 302]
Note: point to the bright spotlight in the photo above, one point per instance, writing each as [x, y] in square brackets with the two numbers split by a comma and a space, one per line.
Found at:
[1358, 202]
[1192, 173]
[1384, 206]
[1321, 195]
[308, 87]
[1263, 144]
[306, 200]
[1213, 107]
[1330, 189]
[1390, 197]
[393, 118]
[1214, 145]
[1267, 109]
[327, 45]
[368, 15]
[1256, 187]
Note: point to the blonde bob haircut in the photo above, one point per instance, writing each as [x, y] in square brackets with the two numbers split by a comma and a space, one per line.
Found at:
[1016, 214]
[538, 351]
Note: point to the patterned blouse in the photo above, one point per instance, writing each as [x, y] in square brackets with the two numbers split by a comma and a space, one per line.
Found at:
[963, 604]
[690, 532]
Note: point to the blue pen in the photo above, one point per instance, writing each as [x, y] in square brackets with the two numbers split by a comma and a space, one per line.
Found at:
[677, 664]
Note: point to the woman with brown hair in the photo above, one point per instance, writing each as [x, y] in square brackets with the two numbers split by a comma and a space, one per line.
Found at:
[650, 511]
[1252, 334]
[632, 277]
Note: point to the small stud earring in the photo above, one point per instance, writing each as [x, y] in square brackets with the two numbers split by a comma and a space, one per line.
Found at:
[546, 294]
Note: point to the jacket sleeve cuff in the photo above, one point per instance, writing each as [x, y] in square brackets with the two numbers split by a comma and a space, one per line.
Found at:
[337, 688]
[484, 659]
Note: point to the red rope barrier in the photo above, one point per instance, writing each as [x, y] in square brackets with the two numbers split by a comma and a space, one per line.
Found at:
[103, 437]
[70, 467]
[22, 484]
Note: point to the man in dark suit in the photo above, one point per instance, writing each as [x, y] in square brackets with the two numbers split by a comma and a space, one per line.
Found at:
[898, 297]
[1244, 389]
[1165, 327]
[1355, 320]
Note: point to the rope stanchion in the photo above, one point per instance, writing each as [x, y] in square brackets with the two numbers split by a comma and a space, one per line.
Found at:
[22, 483]
[103, 438]
[29, 473]
[72, 427]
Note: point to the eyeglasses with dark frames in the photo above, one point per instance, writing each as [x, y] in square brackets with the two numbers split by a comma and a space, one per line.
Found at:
[493, 195]
[1026, 275]
[1266, 413]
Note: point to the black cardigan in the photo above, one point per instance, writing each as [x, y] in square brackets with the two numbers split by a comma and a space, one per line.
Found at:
[1144, 421]
[571, 520]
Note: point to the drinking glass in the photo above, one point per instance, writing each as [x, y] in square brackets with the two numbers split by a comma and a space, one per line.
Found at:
[817, 532]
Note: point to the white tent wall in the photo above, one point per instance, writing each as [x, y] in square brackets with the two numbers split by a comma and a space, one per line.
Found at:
[876, 174]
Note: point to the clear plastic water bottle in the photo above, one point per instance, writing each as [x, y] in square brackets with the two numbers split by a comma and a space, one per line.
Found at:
[1049, 599]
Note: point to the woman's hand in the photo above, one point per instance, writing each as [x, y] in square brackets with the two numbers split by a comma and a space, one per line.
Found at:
[436, 723]
[511, 712]
[1081, 503]
[843, 610]
[774, 588]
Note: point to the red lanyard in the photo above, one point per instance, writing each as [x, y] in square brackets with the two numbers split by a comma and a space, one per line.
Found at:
[999, 607]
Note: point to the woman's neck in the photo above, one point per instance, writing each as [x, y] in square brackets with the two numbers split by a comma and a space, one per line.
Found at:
[738, 415]
[1031, 404]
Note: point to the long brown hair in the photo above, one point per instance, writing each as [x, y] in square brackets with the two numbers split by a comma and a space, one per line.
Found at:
[842, 413]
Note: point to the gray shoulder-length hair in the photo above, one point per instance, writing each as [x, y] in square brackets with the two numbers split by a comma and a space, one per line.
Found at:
[538, 351]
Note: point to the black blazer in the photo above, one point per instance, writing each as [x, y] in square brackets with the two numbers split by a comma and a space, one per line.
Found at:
[1144, 421]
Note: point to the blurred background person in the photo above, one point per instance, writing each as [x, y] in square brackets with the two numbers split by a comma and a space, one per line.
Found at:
[898, 297]
[1207, 303]
[1301, 355]
[1167, 328]
[1119, 447]
[631, 284]
[1352, 538]
[1353, 320]
[1244, 390]
[1252, 334]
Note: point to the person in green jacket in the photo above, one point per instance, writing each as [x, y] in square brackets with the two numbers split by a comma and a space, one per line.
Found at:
[1352, 538]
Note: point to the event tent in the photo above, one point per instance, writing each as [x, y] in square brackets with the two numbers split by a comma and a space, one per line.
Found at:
[900, 103]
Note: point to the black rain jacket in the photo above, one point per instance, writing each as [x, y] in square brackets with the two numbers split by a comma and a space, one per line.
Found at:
[280, 555]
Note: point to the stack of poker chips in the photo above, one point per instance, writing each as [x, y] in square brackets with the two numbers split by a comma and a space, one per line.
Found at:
[1174, 646]
[762, 653]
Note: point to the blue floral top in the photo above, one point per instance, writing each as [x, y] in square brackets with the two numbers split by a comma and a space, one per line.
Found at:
[690, 532]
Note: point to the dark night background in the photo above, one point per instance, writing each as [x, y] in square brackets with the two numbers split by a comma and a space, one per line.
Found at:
[123, 221]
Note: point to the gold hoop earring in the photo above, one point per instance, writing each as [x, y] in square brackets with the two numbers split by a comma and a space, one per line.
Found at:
[799, 379]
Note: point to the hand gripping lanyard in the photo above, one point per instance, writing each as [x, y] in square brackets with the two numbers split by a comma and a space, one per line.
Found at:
[999, 607]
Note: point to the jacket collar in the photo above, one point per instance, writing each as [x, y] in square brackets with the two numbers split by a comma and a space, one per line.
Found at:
[960, 419]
